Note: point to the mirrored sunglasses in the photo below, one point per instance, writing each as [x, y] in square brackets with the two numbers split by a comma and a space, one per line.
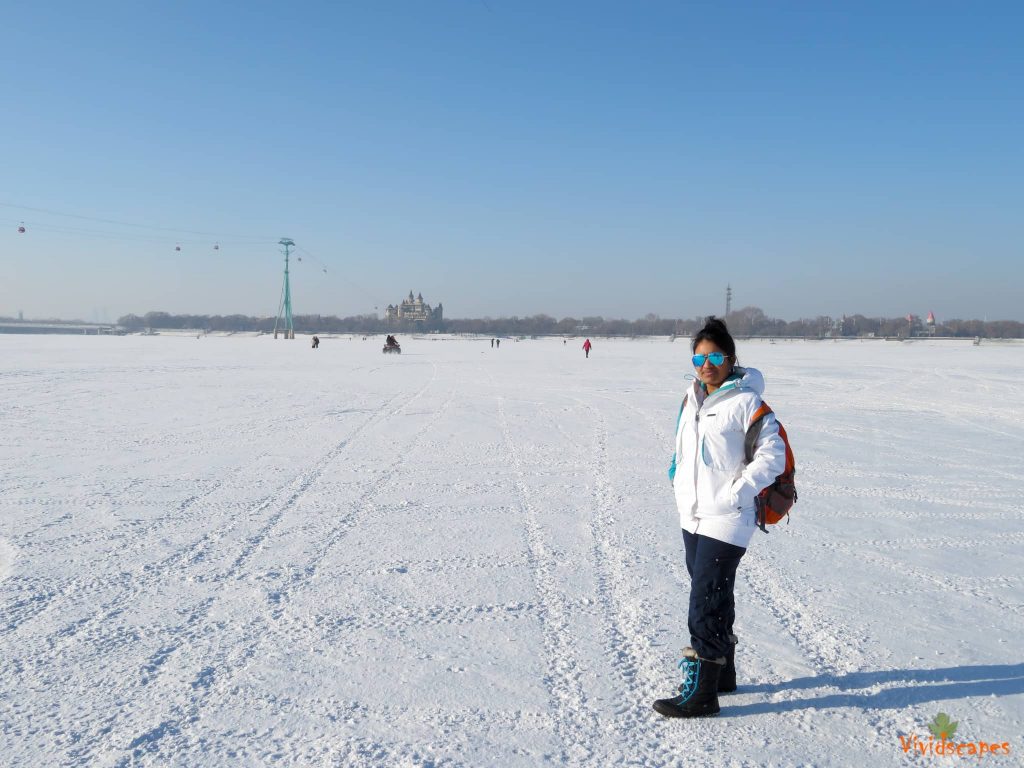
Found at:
[715, 358]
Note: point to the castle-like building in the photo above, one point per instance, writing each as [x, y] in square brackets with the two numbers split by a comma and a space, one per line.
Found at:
[414, 310]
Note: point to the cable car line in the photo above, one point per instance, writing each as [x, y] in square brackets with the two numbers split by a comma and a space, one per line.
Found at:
[61, 229]
[183, 246]
[258, 239]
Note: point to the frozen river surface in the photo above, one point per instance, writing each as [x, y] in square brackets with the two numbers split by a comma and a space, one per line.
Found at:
[235, 551]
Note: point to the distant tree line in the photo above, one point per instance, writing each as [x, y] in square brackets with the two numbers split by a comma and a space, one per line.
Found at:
[245, 323]
[748, 321]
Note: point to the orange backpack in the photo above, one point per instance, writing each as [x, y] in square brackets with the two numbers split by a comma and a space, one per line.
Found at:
[774, 502]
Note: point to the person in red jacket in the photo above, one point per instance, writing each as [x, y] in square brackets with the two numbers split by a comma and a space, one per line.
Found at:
[586, 347]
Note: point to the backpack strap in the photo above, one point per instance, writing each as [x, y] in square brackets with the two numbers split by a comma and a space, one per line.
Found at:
[754, 430]
[749, 444]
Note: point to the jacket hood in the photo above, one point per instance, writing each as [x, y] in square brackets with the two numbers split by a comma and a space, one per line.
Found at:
[749, 379]
[752, 379]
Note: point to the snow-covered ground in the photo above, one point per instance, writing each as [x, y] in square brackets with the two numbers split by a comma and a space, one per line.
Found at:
[236, 551]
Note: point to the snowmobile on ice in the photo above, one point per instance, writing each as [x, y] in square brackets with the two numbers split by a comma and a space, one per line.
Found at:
[391, 346]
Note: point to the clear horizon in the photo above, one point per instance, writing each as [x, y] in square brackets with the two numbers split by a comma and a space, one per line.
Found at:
[570, 159]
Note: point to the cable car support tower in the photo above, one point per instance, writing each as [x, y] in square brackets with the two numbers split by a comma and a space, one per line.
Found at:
[284, 310]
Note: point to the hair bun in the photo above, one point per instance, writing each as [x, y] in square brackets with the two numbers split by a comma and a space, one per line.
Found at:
[715, 331]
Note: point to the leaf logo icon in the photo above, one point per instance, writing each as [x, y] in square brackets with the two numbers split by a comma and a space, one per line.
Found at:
[941, 727]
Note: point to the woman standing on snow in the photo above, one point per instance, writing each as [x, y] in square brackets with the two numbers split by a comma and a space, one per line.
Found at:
[715, 489]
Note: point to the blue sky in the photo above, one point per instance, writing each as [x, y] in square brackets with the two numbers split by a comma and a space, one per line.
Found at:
[511, 158]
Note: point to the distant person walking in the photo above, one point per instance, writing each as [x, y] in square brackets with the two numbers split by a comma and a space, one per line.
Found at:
[492, 343]
[586, 347]
[715, 490]
[497, 343]
[316, 342]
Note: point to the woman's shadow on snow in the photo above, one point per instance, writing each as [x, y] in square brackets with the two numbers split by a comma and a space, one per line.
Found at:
[920, 687]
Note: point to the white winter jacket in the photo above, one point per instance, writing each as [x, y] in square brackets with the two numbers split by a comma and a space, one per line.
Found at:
[714, 486]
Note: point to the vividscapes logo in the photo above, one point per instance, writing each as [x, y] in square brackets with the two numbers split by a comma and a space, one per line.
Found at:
[941, 742]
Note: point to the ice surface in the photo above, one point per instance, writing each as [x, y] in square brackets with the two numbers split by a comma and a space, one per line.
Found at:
[235, 551]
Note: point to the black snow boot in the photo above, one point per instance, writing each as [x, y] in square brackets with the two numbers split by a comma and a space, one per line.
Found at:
[727, 680]
[698, 695]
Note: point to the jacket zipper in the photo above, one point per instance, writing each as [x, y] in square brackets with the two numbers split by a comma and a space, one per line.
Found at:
[698, 449]
[696, 462]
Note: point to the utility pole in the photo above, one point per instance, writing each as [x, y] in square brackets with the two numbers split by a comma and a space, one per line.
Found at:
[728, 301]
[284, 310]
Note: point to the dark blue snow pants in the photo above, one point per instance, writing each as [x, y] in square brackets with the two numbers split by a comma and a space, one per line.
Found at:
[712, 567]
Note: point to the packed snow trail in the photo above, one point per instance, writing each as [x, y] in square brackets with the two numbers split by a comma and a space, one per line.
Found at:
[226, 551]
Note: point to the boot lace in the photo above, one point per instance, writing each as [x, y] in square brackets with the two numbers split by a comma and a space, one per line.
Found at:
[691, 676]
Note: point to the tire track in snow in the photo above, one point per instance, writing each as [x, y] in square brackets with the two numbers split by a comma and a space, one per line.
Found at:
[180, 442]
[663, 436]
[831, 647]
[306, 480]
[38, 603]
[931, 542]
[293, 489]
[443, 565]
[575, 722]
[92, 501]
[365, 503]
[217, 672]
[977, 587]
[972, 587]
[626, 631]
[8, 556]
[451, 727]
[78, 631]
[815, 636]
[398, 616]
[181, 515]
